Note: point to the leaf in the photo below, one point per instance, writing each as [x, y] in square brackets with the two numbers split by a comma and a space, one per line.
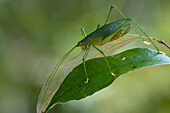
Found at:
[53, 82]
[74, 88]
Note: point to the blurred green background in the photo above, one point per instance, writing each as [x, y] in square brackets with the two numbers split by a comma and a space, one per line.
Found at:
[35, 34]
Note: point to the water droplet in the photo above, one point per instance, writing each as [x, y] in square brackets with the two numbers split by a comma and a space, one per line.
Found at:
[123, 58]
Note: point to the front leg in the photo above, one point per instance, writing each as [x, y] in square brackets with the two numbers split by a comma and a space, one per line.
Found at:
[84, 57]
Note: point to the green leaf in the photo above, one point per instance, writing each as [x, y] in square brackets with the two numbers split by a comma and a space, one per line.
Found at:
[53, 82]
[74, 88]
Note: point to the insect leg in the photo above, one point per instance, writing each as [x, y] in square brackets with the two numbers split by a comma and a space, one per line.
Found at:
[118, 10]
[105, 59]
[144, 33]
[108, 16]
[138, 28]
[84, 57]
[83, 33]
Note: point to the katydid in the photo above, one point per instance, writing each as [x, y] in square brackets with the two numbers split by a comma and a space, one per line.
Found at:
[104, 34]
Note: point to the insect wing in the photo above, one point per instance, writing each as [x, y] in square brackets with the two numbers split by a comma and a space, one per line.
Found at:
[111, 47]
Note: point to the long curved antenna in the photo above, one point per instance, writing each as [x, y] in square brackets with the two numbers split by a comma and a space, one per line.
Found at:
[62, 59]
[45, 89]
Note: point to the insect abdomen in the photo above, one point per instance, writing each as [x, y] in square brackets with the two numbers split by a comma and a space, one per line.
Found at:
[120, 33]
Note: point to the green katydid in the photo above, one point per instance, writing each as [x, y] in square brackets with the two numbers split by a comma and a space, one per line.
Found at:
[104, 34]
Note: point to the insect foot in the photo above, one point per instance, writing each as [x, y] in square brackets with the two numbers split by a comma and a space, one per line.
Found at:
[87, 80]
[160, 52]
[113, 74]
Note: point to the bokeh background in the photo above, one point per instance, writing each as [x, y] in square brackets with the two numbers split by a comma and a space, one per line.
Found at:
[35, 34]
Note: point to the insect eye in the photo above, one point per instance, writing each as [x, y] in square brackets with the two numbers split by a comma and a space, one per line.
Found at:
[80, 43]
